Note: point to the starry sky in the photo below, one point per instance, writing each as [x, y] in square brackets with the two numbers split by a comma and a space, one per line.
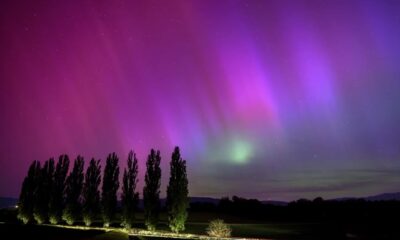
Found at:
[267, 99]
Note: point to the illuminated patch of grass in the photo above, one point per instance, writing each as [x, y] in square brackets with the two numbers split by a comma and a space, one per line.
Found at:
[146, 233]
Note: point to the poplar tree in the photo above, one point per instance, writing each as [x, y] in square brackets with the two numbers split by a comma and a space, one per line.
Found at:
[109, 189]
[43, 192]
[151, 190]
[56, 204]
[91, 193]
[177, 193]
[72, 210]
[27, 195]
[129, 195]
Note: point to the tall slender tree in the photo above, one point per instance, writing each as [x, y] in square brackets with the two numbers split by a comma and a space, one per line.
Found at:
[73, 192]
[129, 195]
[27, 196]
[109, 189]
[177, 193]
[56, 204]
[151, 190]
[43, 193]
[91, 193]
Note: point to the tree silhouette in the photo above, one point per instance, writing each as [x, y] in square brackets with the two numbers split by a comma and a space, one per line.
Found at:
[129, 195]
[27, 195]
[73, 192]
[57, 191]
[91, 193]
[177, 193]
[110, 188]
[43, 193]
[151, 190]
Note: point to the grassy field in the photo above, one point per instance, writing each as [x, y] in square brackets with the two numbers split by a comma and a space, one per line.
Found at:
[280, 231]
[380, 229]
[274, 231]
[19, 231]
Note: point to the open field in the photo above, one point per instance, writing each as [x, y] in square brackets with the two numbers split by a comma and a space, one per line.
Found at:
[298, 231]
[18, 231]
[380, 229]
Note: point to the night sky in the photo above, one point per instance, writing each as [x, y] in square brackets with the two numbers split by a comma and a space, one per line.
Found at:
[273, 100]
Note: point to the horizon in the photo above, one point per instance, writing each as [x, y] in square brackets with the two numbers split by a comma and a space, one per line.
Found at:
[266, 99]
[163, 198]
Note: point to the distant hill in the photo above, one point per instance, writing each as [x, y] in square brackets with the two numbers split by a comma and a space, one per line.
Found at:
[204, 200]
[275, 203]
[6, 202]
[384, 197]
[216, 201]
[379, 197]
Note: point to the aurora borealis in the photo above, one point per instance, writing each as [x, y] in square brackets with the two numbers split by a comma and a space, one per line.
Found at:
[267, 99]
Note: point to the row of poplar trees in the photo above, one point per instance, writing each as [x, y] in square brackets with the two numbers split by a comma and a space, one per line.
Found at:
[50, 194]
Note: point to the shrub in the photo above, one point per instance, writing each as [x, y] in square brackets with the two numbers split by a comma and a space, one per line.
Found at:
[87, 220]
[23, 218]
[68, 217]
[53, 219]
[218, 228]
[39, 218]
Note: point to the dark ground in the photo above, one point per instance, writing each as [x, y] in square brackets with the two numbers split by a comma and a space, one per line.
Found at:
[35, 232]
[365, 229]
[298, 231]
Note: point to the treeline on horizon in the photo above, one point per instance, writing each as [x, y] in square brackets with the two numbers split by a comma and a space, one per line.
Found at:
[52, 193]
[318, 209]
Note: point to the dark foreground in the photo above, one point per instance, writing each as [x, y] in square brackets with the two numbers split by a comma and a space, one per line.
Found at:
[37, 232]
[316, 220]
[298, 231]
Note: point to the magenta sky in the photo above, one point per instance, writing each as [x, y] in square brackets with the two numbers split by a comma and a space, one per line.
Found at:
[267, 99]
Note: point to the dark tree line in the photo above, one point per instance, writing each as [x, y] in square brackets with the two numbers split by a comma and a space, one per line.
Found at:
[50, 194]
[302, 210]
